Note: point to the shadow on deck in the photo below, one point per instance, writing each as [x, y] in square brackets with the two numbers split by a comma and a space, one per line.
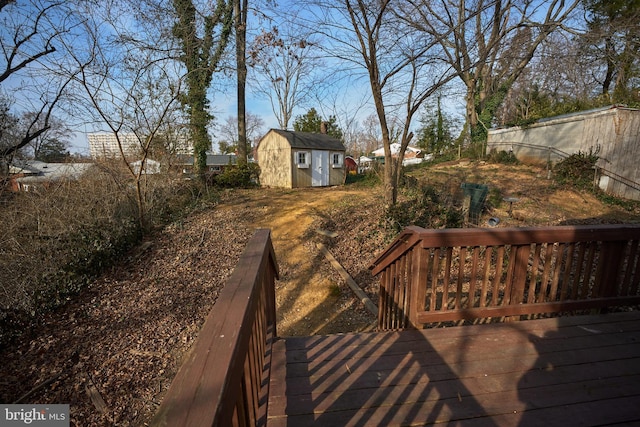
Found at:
[570, 370]
[562, 371]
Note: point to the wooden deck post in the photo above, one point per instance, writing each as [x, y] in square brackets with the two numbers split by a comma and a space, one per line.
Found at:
[609, 268]
[417, 285]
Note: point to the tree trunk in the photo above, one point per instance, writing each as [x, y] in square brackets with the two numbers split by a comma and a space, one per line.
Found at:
[608, 78]
[240, 8]
[390, 184]
[201, 143]
[472, 116]
[200, 55]
[141, 204]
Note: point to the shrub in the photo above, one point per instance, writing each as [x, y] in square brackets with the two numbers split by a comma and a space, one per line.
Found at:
[424, 206]
[245, 176]
[57, 240]
[475, 150]
[577, 169]
[503, 157]
[447, 156]
[370, 178]
[83, 255]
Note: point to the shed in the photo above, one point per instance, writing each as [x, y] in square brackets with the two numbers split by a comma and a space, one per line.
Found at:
[350, 164]
[300, 159]
[614, 131]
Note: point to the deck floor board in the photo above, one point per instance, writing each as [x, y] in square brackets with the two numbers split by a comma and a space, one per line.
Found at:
[579, 370]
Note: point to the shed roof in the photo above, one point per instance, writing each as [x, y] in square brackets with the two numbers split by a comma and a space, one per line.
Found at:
[310, 140]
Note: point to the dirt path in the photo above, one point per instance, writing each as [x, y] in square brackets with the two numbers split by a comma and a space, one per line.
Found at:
[125, 335]
[308, 296]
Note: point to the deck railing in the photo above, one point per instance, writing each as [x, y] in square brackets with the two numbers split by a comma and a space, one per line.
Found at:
[430, 276]
[224, 379]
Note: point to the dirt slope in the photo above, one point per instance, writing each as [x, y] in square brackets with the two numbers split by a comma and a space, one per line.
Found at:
[540, 200]
[113, 351]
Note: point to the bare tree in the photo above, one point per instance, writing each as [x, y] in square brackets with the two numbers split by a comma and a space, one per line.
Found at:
[240, 8]
[228, 132]
[612, 46]
[283, 66]
[488, 43]
[33, 42]
[370, 135]
[131, 93]
[368, 37]
[8, 123]
[559, 75]
[55, 137]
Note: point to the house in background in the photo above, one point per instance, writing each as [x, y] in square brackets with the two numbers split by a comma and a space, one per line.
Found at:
[613, 132]
[151, 167]
[409, 153]
[299, 159]
[364, 164]
[216, 163]
[412, 155]
[107, 145]
[33, 175]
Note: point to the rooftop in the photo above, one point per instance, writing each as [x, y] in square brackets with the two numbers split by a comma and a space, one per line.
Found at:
[310, 140]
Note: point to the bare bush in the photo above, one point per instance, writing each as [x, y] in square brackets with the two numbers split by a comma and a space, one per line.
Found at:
[54, 240]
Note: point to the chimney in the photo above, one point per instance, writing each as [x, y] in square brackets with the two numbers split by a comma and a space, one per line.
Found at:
[323, 128]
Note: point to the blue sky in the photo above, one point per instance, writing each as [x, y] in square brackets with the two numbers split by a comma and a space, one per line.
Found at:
[346, 100]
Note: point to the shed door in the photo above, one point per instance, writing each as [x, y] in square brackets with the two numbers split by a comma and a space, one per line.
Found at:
[319, 168]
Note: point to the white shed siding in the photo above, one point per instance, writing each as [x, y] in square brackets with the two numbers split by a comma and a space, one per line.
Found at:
[275, 160]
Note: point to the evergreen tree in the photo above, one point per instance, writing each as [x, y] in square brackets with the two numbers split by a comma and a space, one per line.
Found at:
[312, 122]
[53, 151]
[435, 135]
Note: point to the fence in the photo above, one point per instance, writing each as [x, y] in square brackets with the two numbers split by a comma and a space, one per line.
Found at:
[431, 276]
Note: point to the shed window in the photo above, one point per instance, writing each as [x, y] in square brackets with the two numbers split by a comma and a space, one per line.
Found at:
[336, 160]
[303, 159]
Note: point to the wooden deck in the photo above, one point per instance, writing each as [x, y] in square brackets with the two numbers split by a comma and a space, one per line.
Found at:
[580, 370]
[564, 371]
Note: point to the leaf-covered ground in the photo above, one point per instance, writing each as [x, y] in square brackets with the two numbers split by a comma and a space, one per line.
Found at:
[112, 352]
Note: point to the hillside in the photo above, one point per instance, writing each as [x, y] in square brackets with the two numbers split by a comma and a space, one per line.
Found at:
[112, 352]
